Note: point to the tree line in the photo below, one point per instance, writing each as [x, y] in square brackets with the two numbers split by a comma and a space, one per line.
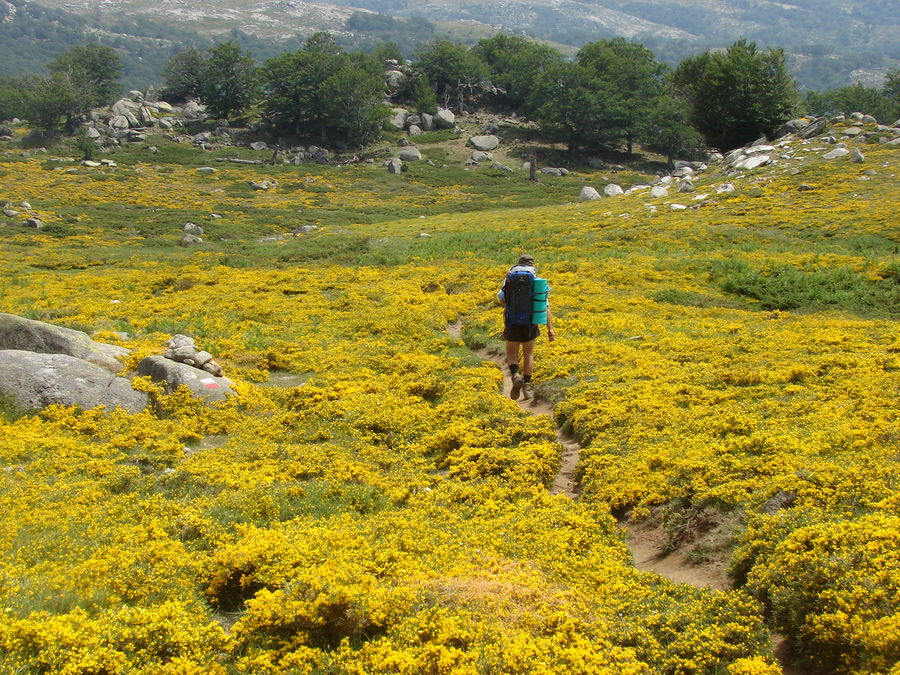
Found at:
[613, 93]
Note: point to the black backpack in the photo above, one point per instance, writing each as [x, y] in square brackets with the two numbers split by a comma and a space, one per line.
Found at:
[518, 292]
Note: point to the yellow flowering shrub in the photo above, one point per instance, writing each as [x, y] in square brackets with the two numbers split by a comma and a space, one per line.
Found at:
[385, 509]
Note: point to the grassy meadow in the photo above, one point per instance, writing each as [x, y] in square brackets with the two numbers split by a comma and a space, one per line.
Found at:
[388, 511]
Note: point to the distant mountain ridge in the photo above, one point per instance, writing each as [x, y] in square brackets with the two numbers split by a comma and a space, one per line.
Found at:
[830, 42]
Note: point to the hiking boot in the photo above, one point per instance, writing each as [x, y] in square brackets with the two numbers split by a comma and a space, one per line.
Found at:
[517, 382]
[527, 390]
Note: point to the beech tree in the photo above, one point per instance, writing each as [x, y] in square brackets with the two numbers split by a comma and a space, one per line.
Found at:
[564, 102]
[737, 96]
[184, 75]
[514, 63]
[230, 80]
[94, 71]
[452, 69]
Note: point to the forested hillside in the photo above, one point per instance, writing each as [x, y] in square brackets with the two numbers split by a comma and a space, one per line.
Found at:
[829, 44]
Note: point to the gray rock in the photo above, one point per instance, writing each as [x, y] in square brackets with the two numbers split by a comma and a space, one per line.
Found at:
[123, 106]
[133, 121]
[685, 186]
[165, 124]
[394, 165]
[837, 152]
[814, 128]
[782, 499]
[588, 194]
[501, 167]
[550, 171]
[410, 154]
[10, 213]
[305, 229]
[484, 143]
[35, 223]
[397, 120]
[683, 172]
[36, 380]
[174, 375]
[791, 127]
[413, 119]
[193, 110]
[857, 157]
[868, 119]
[852, 132]
[146, 116]
[596, 163]
[190, 240]
[659, 191]
[206, 170]
[725, 188]
[202, 137]
[753, 162]
[119, 122]
[414, 130]
[394, 79]
[5, 130]
[444, 119]
[427, 121]
[91, 132]
[191, 228]
[896, 124]
[36, 336]
[478, 157]
[758, 149]
[857, 116]
[613, 190]
[259, 145]
[714, 158]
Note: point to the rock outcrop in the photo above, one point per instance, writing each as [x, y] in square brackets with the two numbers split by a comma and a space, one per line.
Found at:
[18, 333]
[35, 380]
[174, 375]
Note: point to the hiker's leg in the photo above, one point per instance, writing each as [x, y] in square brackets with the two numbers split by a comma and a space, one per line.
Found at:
[512, 354]
[528, 353]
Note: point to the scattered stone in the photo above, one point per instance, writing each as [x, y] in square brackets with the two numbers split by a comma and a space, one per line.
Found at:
[805, 187]
[394, 79]
[397, 120]
[725, 188]
[501, 167]
[395, 166]
[837, 152]
[25, 205]
[410, 154]
[165, 124]
[714, 158]
[91, 132]
[596, 163]
[191, 240]
[685, 186]
[193, 111]
[10, 213]
[852, 132]
[108, 163]
[659, 191]
[857, 157]
[206, 170]
[35, 223]
[782, 499]
[683, 172]
[814, 128]
[753, 162]
[191, 228]
[613, 190]
[478, 157]
[118, 122]
[305, 229]
[427, 121]
[550, 171]
[588, 194]
[18, 333]
[756, 149]
[791, 127]
[484, 143]
[36, 380]
[259, 145]
[261, 186]
[414, 130]
[677, 207]
[857, 116]
[444, 119]
[868, 119]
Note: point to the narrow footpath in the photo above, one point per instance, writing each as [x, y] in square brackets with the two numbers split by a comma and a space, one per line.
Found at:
[644, 541]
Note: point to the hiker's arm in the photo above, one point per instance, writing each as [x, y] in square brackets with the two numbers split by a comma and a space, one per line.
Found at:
[551, 334]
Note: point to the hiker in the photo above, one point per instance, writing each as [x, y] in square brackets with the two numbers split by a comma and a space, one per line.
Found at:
[516, 296]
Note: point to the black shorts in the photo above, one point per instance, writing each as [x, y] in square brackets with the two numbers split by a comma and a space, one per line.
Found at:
[521, 333]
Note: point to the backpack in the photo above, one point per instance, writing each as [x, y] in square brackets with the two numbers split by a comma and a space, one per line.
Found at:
[518, 292]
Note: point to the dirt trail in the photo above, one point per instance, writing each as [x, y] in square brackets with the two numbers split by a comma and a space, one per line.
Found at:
[645, 542]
